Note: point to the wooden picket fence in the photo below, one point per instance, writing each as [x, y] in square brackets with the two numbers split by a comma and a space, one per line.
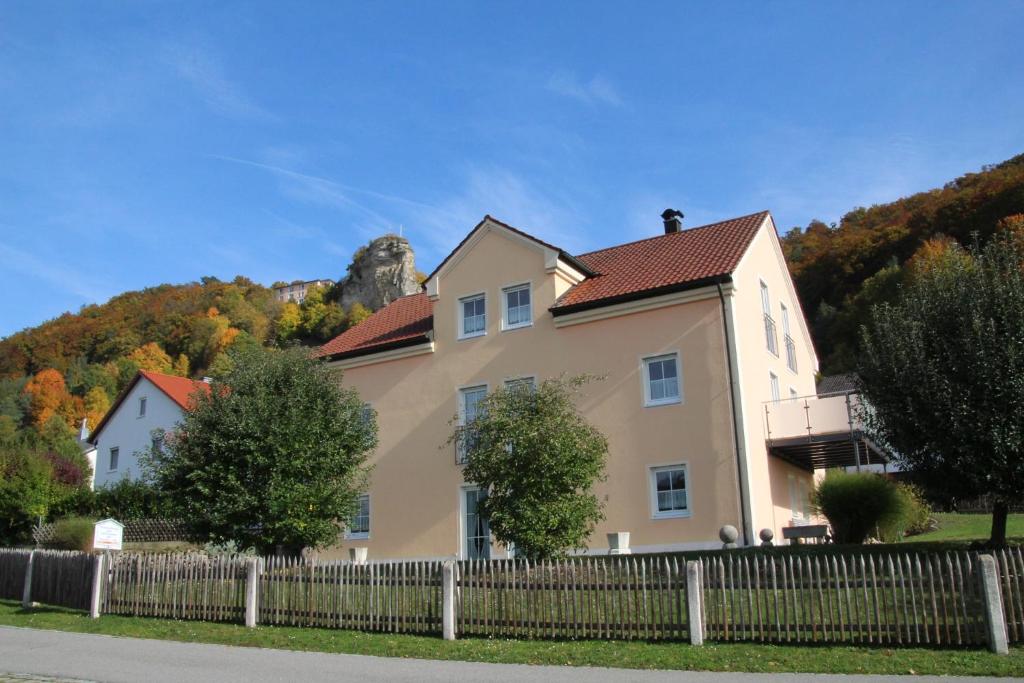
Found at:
[13, 562]
[622, 597]
[395, 597]
[863, 597]
[778, 595]
[176, 586]
[62, 577]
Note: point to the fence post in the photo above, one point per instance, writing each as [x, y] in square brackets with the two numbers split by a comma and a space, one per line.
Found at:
[98, 566]
[448, 600]
[695, 619]
[26, 594]
[995, 619]
[252, 582]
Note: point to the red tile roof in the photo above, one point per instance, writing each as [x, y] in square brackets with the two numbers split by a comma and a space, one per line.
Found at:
[661, 264]
[405, 321]
[635, 270]
[178, 389]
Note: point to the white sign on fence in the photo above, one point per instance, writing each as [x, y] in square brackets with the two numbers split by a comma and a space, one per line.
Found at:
[108, 535]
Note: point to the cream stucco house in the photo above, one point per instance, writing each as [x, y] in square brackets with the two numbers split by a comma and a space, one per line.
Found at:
[702, 343]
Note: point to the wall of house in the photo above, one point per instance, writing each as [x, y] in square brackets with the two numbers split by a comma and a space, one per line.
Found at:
[770, 500]
[416, 483]
[130, 433]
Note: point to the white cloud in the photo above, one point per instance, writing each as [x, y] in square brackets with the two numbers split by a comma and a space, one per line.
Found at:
[62, 277]
[598, 90]
[206, 74]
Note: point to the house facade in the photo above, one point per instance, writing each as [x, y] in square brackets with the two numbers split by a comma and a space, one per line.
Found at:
[151, 401]
[295, 292]
[693, 332]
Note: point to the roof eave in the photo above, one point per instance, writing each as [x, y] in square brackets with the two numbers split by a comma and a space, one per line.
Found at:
[377, 348]
[643, 294]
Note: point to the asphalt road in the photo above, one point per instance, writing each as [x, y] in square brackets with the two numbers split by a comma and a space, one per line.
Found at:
[35, 655]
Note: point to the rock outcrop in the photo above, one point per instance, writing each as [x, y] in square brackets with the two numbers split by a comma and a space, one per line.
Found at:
[380, 272]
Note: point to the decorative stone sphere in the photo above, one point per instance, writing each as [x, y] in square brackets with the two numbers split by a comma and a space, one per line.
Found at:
[767, 535]
[728, 534]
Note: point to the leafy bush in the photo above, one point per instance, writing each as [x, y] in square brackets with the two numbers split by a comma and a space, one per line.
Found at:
[859, 505]
[130, 499]
[73, 533]
[918, 513]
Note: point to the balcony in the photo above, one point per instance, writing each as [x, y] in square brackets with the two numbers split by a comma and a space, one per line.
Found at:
[819, 432]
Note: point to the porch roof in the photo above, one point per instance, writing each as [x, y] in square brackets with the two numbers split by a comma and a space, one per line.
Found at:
[825, 451]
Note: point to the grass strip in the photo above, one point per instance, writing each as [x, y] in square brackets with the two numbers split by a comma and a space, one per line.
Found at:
[621, 654]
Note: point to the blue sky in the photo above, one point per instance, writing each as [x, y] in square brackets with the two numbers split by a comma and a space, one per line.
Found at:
[148, 142]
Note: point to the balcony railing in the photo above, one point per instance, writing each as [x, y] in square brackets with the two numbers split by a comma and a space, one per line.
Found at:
[811, 416]
[769, 334]
[790, 353]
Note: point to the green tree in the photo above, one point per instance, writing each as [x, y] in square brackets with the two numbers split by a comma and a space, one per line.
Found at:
[538, 460]
[943, 372]
[275, 455]
[357, 313]
[288, 323]
[26, 493]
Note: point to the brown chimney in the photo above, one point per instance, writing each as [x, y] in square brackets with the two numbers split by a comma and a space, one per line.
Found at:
[673, 221]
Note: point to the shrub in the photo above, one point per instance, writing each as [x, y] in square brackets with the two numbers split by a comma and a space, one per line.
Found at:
[859, 505]
[130, 499]
[73, 533]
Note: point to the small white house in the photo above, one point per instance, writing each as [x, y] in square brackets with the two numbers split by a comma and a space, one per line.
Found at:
[152, 401]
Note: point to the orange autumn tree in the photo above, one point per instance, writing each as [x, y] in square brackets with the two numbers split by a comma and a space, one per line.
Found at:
[47, 393]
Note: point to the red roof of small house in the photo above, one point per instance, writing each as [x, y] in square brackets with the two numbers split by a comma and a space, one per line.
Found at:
[178, 389]
[661, 264]
[405, 321]
[649, 267]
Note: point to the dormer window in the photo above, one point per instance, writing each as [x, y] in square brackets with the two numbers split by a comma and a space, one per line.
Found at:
[472, 316]
[516, 304]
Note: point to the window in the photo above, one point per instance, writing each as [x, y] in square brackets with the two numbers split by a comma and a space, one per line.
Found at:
[478, 531]
[773, 381]
[366, 415]
[521, 383]
[142, 407]
[661, 380]
[769, 323]
[359, 526]
[473, 316]
[518, 312]
[114, 453]
[799, 499]
[792, 394]
[788, 340]
[668, 491]
[158, 443]
[469, 409]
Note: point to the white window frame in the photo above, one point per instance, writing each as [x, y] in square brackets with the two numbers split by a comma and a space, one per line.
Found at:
[646, 381]
[766, 316]
[652, 488]
[113, 458]
[774, 387]
[788, 341]
[505, 325]
[363, 535]
[463, 531]
[507, 383]
[793, 394]
[461, 316]
[460, 398]
[142, 406]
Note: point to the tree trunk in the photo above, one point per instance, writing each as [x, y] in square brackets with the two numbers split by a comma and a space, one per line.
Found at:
[999, 514]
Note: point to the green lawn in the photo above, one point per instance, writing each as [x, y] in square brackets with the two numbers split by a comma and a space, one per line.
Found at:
[635, 655]
[957, 527]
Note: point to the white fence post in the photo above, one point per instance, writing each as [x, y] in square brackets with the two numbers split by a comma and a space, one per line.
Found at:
[26, 594]
[995, 619]
[694, 598]
[98, 568]
[252, 582]
[448, 600]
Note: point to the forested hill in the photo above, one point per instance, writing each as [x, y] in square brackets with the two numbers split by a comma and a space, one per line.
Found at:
[841, 270]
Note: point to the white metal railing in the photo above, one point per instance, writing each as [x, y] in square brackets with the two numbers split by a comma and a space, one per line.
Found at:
[790, 353]
[770, 336]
